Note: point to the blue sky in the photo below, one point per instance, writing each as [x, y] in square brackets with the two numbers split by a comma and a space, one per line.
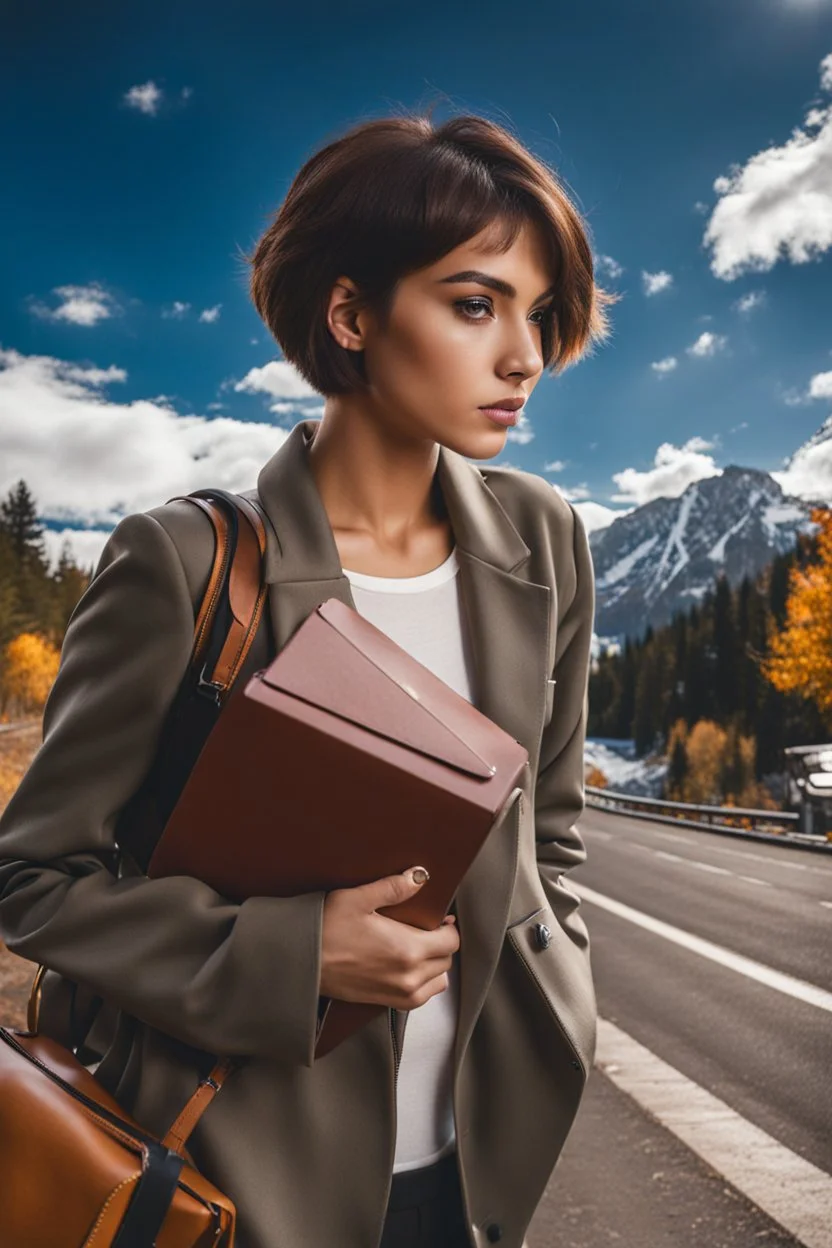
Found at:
[144, 149]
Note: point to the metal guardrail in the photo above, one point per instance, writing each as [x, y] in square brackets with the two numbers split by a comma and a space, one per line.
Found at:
[710, 818]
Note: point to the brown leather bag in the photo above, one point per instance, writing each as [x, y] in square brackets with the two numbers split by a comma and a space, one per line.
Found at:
[77, 1170]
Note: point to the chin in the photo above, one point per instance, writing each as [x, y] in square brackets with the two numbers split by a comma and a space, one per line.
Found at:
[484, 444]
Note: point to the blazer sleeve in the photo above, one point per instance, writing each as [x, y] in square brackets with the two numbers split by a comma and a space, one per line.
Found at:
[229, 979]
[559, 793]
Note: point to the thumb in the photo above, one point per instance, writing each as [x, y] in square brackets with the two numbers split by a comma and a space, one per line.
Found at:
[391, 889]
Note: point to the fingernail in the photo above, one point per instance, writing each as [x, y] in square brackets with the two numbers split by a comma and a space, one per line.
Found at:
[419, 875]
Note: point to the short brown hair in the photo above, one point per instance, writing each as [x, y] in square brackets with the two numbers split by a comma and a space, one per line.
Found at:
[394, 195]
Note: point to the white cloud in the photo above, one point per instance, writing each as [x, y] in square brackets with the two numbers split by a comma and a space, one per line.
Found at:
[522, 433]
[555, 465]
[707, 344]
[177, 311]
[145, 98]
[85, 545]
[94, 376]
[278, 378]
[573, 492]
[608, 265]
[653, 283]
[808, 474]
[597, 516]
[664, 366]
[675, 467]
[779, 203]
[81, 305]
[747, 303]
[89, 460]
[820, 387]
[209, 315]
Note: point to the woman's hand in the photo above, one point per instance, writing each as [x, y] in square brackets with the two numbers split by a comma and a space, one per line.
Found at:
[369, 957]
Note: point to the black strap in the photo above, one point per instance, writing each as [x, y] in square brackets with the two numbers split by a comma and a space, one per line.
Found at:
[151, 1200]
[79, 1028]
[189, 722]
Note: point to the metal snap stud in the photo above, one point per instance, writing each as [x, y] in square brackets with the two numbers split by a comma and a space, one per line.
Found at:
[543, 934]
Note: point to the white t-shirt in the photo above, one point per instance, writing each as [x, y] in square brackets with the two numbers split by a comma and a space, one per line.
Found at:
[423, 614]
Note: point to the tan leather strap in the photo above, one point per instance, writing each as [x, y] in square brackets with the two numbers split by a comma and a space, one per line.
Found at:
[209, 598]
[246, 589]
[247, 595]
[178, 1134]
[33, 1008]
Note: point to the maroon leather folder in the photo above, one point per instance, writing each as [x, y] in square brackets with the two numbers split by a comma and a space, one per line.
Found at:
[343, 761]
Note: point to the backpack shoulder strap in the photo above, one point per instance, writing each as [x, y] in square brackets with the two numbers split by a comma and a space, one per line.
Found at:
[224, 629]
[232, 604]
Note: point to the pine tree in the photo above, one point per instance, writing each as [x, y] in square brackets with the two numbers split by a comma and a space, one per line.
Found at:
[19, 519]
[726, 651]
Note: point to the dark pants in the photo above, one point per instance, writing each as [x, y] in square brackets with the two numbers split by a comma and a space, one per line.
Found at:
[425, 1208]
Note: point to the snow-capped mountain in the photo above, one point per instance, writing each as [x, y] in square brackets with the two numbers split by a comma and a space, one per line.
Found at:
[663, 556]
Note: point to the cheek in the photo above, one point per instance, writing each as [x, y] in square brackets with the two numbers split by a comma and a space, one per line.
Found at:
[424, 356]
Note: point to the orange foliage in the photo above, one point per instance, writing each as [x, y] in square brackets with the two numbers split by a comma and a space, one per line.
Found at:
[705, 748]
[28, 667]
[800, 656]
[596, 777]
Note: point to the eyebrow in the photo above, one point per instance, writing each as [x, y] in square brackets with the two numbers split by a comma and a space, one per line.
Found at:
[494, 283]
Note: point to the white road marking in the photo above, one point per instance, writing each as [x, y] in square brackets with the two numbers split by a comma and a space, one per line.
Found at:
[672, 836]
[800, 989]
[801, 1198]
[781, 862]
[692, 862]
[703, 866]
[777, 862]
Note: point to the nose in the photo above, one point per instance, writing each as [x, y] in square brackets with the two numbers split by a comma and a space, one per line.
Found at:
[523, 355]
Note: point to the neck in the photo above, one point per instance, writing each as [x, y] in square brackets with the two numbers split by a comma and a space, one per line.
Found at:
[375, 485]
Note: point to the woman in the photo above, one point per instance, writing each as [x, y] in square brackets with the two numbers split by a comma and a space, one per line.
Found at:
[415, 276]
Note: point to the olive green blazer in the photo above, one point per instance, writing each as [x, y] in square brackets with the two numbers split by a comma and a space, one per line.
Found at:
[304, 1146]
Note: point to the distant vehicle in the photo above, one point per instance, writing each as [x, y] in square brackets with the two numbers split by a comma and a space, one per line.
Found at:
[809, 786]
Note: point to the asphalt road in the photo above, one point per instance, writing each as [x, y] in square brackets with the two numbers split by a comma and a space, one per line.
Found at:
[623, 1177]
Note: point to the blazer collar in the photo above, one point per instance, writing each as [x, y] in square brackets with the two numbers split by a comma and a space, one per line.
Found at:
[306, 549]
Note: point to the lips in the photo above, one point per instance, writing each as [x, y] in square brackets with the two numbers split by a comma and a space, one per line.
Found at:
[500, 415]
[508, 405]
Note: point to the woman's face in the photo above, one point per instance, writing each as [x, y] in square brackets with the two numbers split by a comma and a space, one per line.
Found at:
[451, 347]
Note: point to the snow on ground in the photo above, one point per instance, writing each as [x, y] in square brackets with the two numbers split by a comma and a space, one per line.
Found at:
[624, 772]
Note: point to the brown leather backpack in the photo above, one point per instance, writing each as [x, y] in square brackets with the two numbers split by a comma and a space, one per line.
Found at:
[76, 1168]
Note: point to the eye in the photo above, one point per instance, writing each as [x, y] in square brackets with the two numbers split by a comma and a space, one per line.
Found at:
[473, 303]
[465, 304]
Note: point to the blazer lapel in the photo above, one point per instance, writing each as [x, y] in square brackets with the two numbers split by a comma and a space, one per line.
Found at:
[508, 619]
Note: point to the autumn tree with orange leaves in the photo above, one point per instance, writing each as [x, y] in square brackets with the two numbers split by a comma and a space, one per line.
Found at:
[799, 656]
[28, 667]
